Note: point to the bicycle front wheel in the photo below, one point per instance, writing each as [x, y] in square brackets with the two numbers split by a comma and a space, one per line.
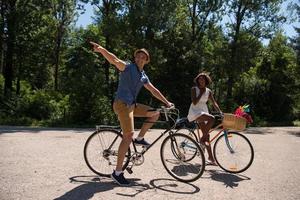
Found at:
[101, 151]
[182, 157]
[233, 152]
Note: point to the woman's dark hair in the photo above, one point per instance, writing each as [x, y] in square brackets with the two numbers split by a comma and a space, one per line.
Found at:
[206, 77]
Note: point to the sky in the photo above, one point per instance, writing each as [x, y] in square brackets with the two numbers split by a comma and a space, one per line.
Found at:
[86, 19]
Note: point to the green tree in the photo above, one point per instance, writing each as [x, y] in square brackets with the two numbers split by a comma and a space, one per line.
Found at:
[83, 79]
[63, 15]
[277, 69]
[296, 46]
[8, 36]
[247, 17]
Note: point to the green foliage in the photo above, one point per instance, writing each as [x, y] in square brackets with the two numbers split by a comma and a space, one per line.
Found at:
[276, 71]
[296, 72]
[102, 112]
[1, 83]
[33, 106]
[84, 81]
[183, 38]
[37, 105]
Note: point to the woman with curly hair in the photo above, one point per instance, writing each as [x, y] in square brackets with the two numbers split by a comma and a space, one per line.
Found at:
[198, 111]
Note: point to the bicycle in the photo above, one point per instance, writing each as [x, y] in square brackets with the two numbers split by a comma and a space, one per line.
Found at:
[232, 150]
[180, 154]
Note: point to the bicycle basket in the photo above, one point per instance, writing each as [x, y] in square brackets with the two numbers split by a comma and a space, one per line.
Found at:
[230, 121]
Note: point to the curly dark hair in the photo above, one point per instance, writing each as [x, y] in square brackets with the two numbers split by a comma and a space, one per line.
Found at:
[206, 77]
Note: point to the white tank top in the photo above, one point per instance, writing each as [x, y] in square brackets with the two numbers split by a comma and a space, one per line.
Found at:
[200, 108]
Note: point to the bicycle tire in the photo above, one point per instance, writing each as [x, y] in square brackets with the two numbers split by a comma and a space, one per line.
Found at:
[101, 151]
[190, 134]
[240, 158]
[184, 170]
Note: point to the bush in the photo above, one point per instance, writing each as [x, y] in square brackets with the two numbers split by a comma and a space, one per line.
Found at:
[102, 112]
[37, 105]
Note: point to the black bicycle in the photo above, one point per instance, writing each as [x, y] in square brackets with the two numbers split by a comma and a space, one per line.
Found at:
[180, 154]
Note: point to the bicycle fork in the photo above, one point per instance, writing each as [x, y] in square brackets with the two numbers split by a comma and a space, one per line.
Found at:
[227, 141]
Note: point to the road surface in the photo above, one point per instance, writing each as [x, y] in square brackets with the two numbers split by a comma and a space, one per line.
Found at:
[44, 163]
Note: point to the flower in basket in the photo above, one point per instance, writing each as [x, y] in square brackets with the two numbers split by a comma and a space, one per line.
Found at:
[243, 111]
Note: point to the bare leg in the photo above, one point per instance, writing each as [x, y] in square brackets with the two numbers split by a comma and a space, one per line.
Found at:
[123, 148]
[152, 116]
[205, 127]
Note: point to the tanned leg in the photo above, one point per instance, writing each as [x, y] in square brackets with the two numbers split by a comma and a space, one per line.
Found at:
[123, 148]
[205, 127]
[152, 116]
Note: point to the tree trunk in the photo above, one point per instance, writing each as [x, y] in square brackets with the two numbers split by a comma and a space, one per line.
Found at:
[8, 66]
[107, 10]
[106, 70]
[233, 64]
[57, 54]
[2, 44]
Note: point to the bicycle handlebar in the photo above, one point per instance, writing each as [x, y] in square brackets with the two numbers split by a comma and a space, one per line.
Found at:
[167, 112]
[168, 108]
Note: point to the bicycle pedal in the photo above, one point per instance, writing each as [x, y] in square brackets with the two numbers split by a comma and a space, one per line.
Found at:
[129, 170]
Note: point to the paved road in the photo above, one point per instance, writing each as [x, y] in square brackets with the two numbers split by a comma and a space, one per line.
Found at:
[43, 164]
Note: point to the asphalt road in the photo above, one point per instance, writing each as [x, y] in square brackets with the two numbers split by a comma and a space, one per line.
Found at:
[41, 164]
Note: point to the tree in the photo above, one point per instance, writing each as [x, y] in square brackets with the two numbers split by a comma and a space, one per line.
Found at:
[201, 14]
[296, 46]
[84, 80]
[257, 18]
[8, 16]
[63, 13]
[277, 69]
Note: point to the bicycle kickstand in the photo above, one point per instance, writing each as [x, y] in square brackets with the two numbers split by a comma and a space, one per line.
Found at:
[129, 170]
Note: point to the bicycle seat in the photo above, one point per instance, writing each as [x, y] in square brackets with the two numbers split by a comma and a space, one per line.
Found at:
[184, 123]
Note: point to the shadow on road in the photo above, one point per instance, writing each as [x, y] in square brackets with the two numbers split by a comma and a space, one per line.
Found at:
[293, 130]
[297, 134]
[258, 131]
[93, 184]
[229, 180]
[171, 185]
[20, 129]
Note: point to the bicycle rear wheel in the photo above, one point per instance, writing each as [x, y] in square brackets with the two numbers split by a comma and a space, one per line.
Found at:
[101, 151]
[182, 157]
[191, 134]
[234, 152]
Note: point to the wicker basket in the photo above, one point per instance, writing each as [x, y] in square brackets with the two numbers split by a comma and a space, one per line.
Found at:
[230, 121]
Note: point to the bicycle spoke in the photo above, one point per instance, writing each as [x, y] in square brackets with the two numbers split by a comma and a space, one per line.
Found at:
[233, 153]
[101, 151]
[182, 158]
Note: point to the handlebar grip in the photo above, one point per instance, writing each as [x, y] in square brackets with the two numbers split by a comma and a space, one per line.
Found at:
[168, 108]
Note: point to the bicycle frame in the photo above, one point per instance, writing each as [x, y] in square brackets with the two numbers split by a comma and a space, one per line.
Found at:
[225, 131]
[229, 144]
[168, 130]
[209, 132]
[177, 150]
